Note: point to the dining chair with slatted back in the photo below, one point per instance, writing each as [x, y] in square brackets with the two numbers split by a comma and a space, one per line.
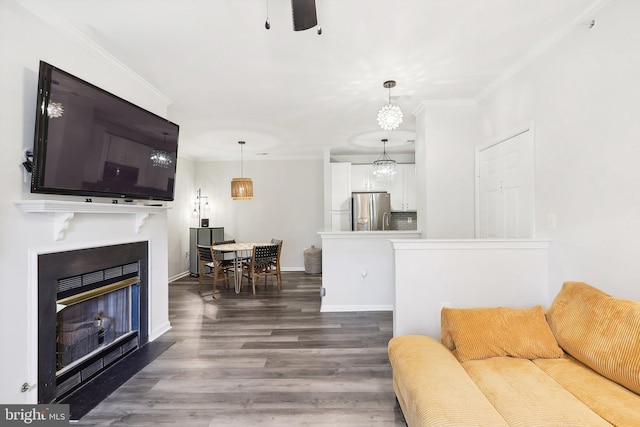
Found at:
[222, 266]
[277, 262]
[227, 254]
[205, 265]
[262, 264]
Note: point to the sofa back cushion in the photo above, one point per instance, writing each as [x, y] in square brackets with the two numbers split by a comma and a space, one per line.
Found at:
[600, 331]
[480, 333]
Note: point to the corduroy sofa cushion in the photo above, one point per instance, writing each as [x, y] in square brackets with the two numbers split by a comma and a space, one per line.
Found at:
[613, 402]
[480, 333]
[599, 330]
[433, 389]
[526, 396]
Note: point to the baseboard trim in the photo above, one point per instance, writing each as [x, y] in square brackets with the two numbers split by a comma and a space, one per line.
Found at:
[158, 332]
[178, 276]
[341, 308]
[186, 273]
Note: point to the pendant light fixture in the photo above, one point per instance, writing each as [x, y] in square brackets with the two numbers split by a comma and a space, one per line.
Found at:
[390, 115]
[384, 168]
[241, 188]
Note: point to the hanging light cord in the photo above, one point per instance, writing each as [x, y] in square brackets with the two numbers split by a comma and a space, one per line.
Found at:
[384, 157]
[241, 158]
[267, 24]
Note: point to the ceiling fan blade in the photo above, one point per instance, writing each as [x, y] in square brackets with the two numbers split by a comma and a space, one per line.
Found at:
[304, 14]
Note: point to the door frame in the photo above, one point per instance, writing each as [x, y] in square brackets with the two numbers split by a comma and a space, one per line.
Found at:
[529, 127]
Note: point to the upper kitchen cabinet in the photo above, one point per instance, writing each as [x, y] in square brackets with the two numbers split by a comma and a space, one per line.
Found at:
[340, 186]
[362, 179]
[403, 188]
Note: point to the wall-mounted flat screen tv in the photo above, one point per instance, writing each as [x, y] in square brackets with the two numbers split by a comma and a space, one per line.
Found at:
[89, 142]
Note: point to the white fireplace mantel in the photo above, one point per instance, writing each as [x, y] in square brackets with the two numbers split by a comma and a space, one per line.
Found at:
[64, 211]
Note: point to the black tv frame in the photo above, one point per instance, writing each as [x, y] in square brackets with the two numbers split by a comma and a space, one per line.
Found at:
[41, 136]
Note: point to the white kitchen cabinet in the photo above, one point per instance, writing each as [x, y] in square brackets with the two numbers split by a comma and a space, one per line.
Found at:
[409, 176]
[340, 186]
[362, 179]
[403, 188]
[341, 220]
[359, 178]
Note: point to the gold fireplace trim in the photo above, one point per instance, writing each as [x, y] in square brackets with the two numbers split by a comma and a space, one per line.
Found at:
[84, 296]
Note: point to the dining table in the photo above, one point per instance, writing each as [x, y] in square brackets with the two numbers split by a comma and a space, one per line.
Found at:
[241, 251]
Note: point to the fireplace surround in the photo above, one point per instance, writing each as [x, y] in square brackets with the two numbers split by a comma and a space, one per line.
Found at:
[92, 312]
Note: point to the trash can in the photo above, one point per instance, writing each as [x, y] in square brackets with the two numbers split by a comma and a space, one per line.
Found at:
[313, 260]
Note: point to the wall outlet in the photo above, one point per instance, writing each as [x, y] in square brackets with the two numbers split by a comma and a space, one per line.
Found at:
[410, 220]
[551, 221]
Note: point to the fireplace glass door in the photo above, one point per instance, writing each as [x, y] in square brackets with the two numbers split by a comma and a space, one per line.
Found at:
[89, 325]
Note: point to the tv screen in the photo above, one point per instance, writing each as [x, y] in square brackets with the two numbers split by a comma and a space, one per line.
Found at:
[90, 142]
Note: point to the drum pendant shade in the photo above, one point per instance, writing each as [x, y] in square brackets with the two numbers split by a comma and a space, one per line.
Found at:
[241, 188]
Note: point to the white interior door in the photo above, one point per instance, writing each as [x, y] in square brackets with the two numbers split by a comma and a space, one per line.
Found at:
[505, 177]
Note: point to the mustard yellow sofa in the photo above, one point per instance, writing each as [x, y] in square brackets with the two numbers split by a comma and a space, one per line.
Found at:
[578, 364]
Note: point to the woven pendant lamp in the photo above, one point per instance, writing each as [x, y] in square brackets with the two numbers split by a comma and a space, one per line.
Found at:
[241, 188]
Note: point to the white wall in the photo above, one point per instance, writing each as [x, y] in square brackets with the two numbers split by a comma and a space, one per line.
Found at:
[179, 218]
[24, 40]
[287, 204]
[583, 97]
[445, 144]
[422, 203]
[430, 274]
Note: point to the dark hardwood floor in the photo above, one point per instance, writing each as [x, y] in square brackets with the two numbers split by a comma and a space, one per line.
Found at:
[271, 359]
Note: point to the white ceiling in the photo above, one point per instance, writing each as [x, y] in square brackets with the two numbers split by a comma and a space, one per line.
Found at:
[289, 94]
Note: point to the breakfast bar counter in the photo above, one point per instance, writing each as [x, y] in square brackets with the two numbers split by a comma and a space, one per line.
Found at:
[357, 269]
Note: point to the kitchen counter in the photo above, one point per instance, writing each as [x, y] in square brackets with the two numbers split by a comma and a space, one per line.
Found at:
[387, 234]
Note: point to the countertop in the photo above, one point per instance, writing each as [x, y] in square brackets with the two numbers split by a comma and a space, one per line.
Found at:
[386, 234]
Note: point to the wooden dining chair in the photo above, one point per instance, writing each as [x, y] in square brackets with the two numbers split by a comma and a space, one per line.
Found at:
[263, 262]
[277, 262]
[227, 255]
[212, 265]
[222, 266]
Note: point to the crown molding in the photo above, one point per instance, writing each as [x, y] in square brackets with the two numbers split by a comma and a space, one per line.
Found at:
[63, 26]
[543, 47]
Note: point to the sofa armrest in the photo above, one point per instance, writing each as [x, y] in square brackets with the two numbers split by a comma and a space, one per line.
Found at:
[433, 389]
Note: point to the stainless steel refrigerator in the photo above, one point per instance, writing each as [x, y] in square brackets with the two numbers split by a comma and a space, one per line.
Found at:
[370, 211]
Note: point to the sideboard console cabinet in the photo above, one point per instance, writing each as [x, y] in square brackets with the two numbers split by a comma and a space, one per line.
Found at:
[201, 236]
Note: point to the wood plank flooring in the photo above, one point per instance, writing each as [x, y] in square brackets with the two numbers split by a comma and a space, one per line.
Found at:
[271, 360]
